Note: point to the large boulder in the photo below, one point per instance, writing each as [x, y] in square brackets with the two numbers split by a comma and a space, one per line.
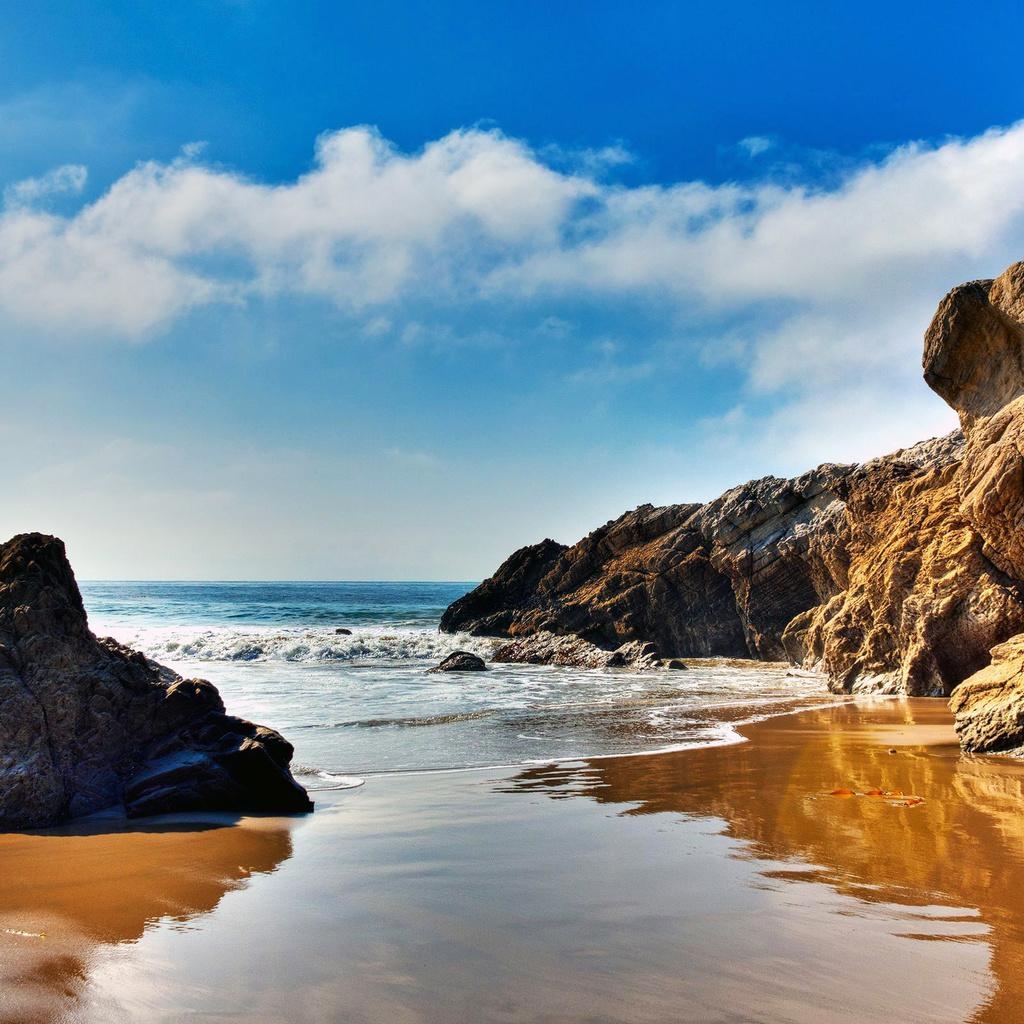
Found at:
[988, 708]
[87, 724]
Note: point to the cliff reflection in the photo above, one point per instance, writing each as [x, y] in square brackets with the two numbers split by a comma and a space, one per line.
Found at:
[64, 896]
[961, 849]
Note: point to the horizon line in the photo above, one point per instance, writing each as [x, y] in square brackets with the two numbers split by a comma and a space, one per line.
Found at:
[268, 580]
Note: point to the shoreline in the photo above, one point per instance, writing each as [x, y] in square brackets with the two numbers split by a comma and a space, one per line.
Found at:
[712, 883]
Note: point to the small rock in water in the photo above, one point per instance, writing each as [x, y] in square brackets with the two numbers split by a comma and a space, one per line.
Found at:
[461, 661]
[341, 631]
[676, 663]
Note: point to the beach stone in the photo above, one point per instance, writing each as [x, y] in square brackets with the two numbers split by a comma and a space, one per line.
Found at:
[341, 631]
[461, 661]
[88, 724]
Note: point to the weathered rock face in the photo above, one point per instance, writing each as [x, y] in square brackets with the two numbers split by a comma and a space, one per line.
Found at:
[861, 570]
[723, 578]
[86, 724]
[974, 358]
[922, 605]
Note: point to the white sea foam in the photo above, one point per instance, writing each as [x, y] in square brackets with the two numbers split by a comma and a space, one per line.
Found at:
[224, 643]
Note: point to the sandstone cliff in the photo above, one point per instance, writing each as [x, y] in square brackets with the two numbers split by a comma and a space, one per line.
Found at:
[974, 358]
[87, 724]
[898, 575]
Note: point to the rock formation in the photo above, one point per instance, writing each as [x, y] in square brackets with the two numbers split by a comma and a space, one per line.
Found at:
[695, 580]
[988, 708]
[898, 575]
[461, 661]
[869, 572]
[974, 358]
[546, 648]
[87, 724]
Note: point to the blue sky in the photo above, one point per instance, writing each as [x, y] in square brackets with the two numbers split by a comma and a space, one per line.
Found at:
[387, 290]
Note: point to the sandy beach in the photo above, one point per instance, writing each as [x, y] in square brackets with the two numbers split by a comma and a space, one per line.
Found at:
[715, 884]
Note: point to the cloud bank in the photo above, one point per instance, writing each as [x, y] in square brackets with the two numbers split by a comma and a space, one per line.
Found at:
[806, 291]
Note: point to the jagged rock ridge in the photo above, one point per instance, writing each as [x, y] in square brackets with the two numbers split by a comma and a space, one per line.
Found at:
[822, 570]
[87, 724]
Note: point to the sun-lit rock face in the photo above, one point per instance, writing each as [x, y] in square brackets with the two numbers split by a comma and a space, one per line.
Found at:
[922, 605]
[87, 724]
[974, 358]
[988, 708]
[724, 578]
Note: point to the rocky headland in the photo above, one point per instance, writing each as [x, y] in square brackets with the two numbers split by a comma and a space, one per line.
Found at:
[901, 575]
[87, 724]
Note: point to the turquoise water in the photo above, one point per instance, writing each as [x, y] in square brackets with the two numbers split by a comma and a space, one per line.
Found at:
[361, 701]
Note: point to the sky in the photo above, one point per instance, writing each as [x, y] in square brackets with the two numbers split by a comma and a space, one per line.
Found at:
[385, 291]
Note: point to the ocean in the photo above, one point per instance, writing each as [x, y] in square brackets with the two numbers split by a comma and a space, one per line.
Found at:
[363, 703]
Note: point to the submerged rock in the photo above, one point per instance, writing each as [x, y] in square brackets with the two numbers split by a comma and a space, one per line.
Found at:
[461, 661]
[87, 724]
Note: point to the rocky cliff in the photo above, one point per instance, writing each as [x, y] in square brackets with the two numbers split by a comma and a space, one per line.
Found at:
[87, 724]
[898, 575]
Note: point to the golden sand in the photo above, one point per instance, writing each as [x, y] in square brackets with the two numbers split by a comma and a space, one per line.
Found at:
[845, 864]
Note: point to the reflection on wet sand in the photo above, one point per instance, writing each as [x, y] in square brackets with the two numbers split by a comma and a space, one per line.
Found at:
[954, 861]
[66, 894]
[711, 886]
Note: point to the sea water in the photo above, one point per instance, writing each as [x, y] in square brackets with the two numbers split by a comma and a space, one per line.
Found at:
[363, 702]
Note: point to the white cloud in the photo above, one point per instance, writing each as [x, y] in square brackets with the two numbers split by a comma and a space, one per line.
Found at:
[66, 180]
[834, 286]
[755, 145]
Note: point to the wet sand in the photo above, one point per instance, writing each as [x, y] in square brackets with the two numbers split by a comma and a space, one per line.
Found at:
[720, 884]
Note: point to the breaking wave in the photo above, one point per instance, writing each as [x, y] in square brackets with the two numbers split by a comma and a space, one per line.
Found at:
[373, 645]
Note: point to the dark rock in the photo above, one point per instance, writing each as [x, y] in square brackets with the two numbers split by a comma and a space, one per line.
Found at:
[721, 579]
[87, 724]
[487, 609]
[461, 661]
[674, 663]
[341, 631]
